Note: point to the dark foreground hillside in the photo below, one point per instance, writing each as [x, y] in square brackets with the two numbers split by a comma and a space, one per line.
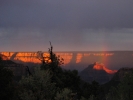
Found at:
[50, 82]
[97, 72]
[120, 84]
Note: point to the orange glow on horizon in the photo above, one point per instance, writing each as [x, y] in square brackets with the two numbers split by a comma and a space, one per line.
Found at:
[98, 66]
[86, 54]
[79, 57]
[31, 57]
[66, 56]
[103, 54]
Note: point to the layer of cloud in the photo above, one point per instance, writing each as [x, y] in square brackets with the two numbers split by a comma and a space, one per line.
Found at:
[25, 39]
[66, 14]
[29, 25]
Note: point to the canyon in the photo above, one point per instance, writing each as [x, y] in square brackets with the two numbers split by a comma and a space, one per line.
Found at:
[111, 60]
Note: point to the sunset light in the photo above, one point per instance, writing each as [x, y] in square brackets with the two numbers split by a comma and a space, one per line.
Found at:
[98, 66]
[66, 49]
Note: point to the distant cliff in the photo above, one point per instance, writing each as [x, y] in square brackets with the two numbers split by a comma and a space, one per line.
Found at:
[79, 60]
[98, 66]
[97, 72]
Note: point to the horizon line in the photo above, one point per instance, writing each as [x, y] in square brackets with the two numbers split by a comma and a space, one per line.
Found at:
[76, 51]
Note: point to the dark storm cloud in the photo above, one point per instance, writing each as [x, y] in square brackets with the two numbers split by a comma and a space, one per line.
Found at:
[26, 39]
[66, 14]
[29, 25]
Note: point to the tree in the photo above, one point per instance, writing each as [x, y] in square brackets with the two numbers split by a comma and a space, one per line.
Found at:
[65, 94]
[124, 91]
[37, 87]
[71, 80]
[6, 82]
[51, 61]
[94, 88]
[63, 78]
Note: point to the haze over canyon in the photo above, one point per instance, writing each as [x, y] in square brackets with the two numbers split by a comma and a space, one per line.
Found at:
[110, 61]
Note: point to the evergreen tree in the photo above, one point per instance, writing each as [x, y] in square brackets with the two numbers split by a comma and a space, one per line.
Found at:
[6, 82]
[62, 78]
[65, 94]
[37, 87]
[124, 91]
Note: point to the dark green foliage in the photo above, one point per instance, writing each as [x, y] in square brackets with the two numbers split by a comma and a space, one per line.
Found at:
[86, 90]
[6, 83]
[37, 87]
[52, 63]
[92, 89]
[124, 91]
[71, 79]
[65, 94]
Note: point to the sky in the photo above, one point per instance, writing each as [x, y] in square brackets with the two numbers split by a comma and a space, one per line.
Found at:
[71, 25]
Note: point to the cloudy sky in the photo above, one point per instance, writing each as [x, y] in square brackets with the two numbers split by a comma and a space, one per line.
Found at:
[71, 25]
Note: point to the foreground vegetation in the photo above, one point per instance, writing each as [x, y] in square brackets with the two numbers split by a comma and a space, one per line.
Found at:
[51, 82]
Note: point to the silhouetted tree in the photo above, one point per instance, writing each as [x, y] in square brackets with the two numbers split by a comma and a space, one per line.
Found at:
[64, 94]
[6, 82]
[28, 70]
[37, 87]
[124, 91]
[52, 63]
